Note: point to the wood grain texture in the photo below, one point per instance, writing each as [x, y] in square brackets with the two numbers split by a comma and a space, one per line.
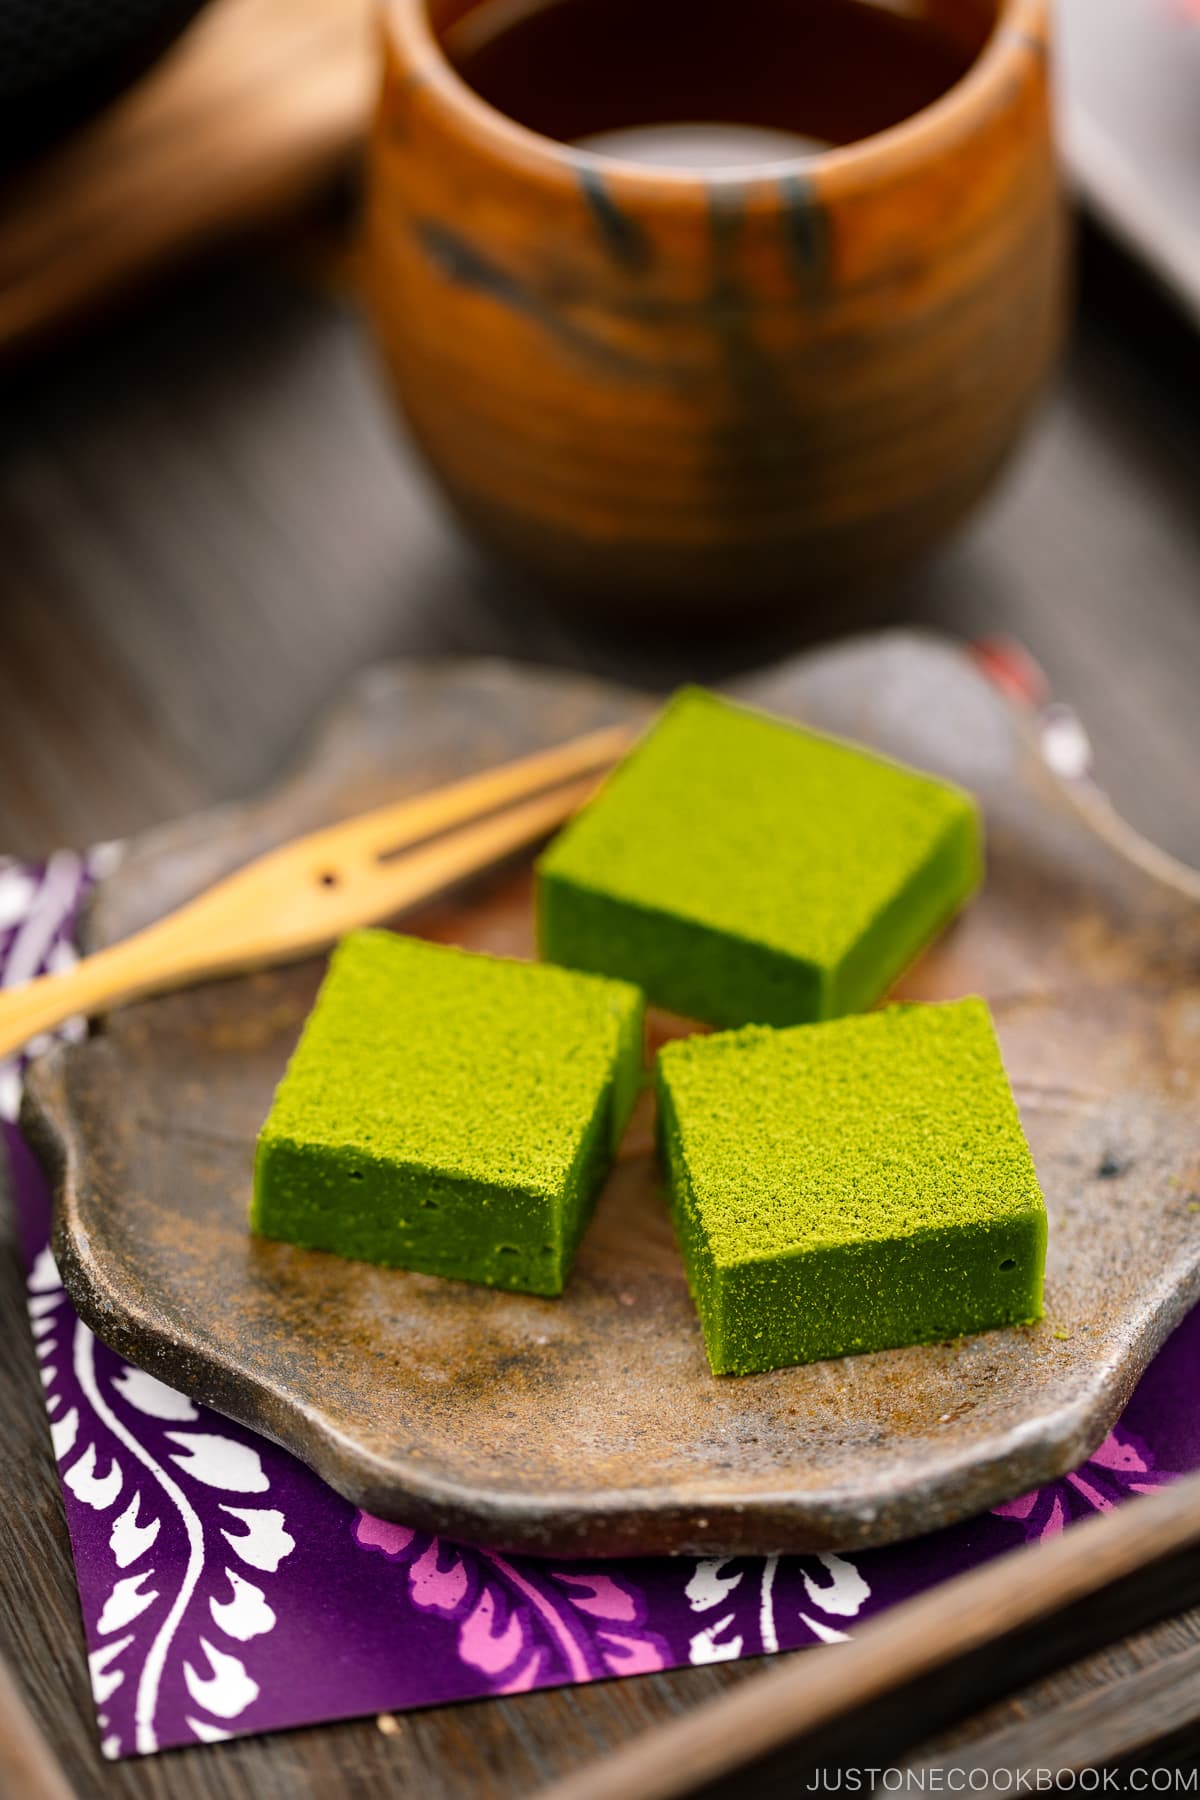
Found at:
[259, 105]
[1114, 1705]
[177, 607]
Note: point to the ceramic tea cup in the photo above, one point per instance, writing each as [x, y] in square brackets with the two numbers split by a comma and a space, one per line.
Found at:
[704, 389]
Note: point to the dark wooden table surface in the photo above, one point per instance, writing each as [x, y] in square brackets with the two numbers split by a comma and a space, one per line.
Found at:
[206, 522]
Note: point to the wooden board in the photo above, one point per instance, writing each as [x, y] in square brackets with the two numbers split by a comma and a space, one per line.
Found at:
[259, 103]
[591, 1424]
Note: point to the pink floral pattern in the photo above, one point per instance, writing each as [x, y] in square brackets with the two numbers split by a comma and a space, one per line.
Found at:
[1120, 1467]
[522, 1624]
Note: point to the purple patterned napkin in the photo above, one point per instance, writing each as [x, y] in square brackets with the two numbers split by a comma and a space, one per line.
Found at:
[225, 1589]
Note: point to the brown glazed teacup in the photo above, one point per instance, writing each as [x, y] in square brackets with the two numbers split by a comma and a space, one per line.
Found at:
[701, 390]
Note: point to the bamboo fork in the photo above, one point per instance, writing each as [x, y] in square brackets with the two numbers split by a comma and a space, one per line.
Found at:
[307, 893]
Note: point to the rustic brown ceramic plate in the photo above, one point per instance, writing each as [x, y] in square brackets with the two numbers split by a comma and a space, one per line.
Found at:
[591, 1424]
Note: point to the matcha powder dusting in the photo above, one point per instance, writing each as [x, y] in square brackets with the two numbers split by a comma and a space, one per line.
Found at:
[850, 1186]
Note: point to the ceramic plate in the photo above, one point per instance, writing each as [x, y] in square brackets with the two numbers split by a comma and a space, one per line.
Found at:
[591, 1425]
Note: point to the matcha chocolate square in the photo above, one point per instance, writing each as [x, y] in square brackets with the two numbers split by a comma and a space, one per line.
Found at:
[743, 871]
[449, 1112]
[850, 1186]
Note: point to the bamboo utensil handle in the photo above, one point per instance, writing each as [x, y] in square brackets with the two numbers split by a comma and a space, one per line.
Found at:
[307, 893]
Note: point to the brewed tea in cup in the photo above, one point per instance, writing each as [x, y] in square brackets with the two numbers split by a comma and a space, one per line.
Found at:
[696, 307]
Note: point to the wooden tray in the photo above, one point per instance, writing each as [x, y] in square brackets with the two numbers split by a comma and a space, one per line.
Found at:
[591, 1425]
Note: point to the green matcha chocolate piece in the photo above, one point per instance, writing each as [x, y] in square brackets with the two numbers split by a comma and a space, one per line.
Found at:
[743, 871]
[449, 1112]
[850, 1186]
